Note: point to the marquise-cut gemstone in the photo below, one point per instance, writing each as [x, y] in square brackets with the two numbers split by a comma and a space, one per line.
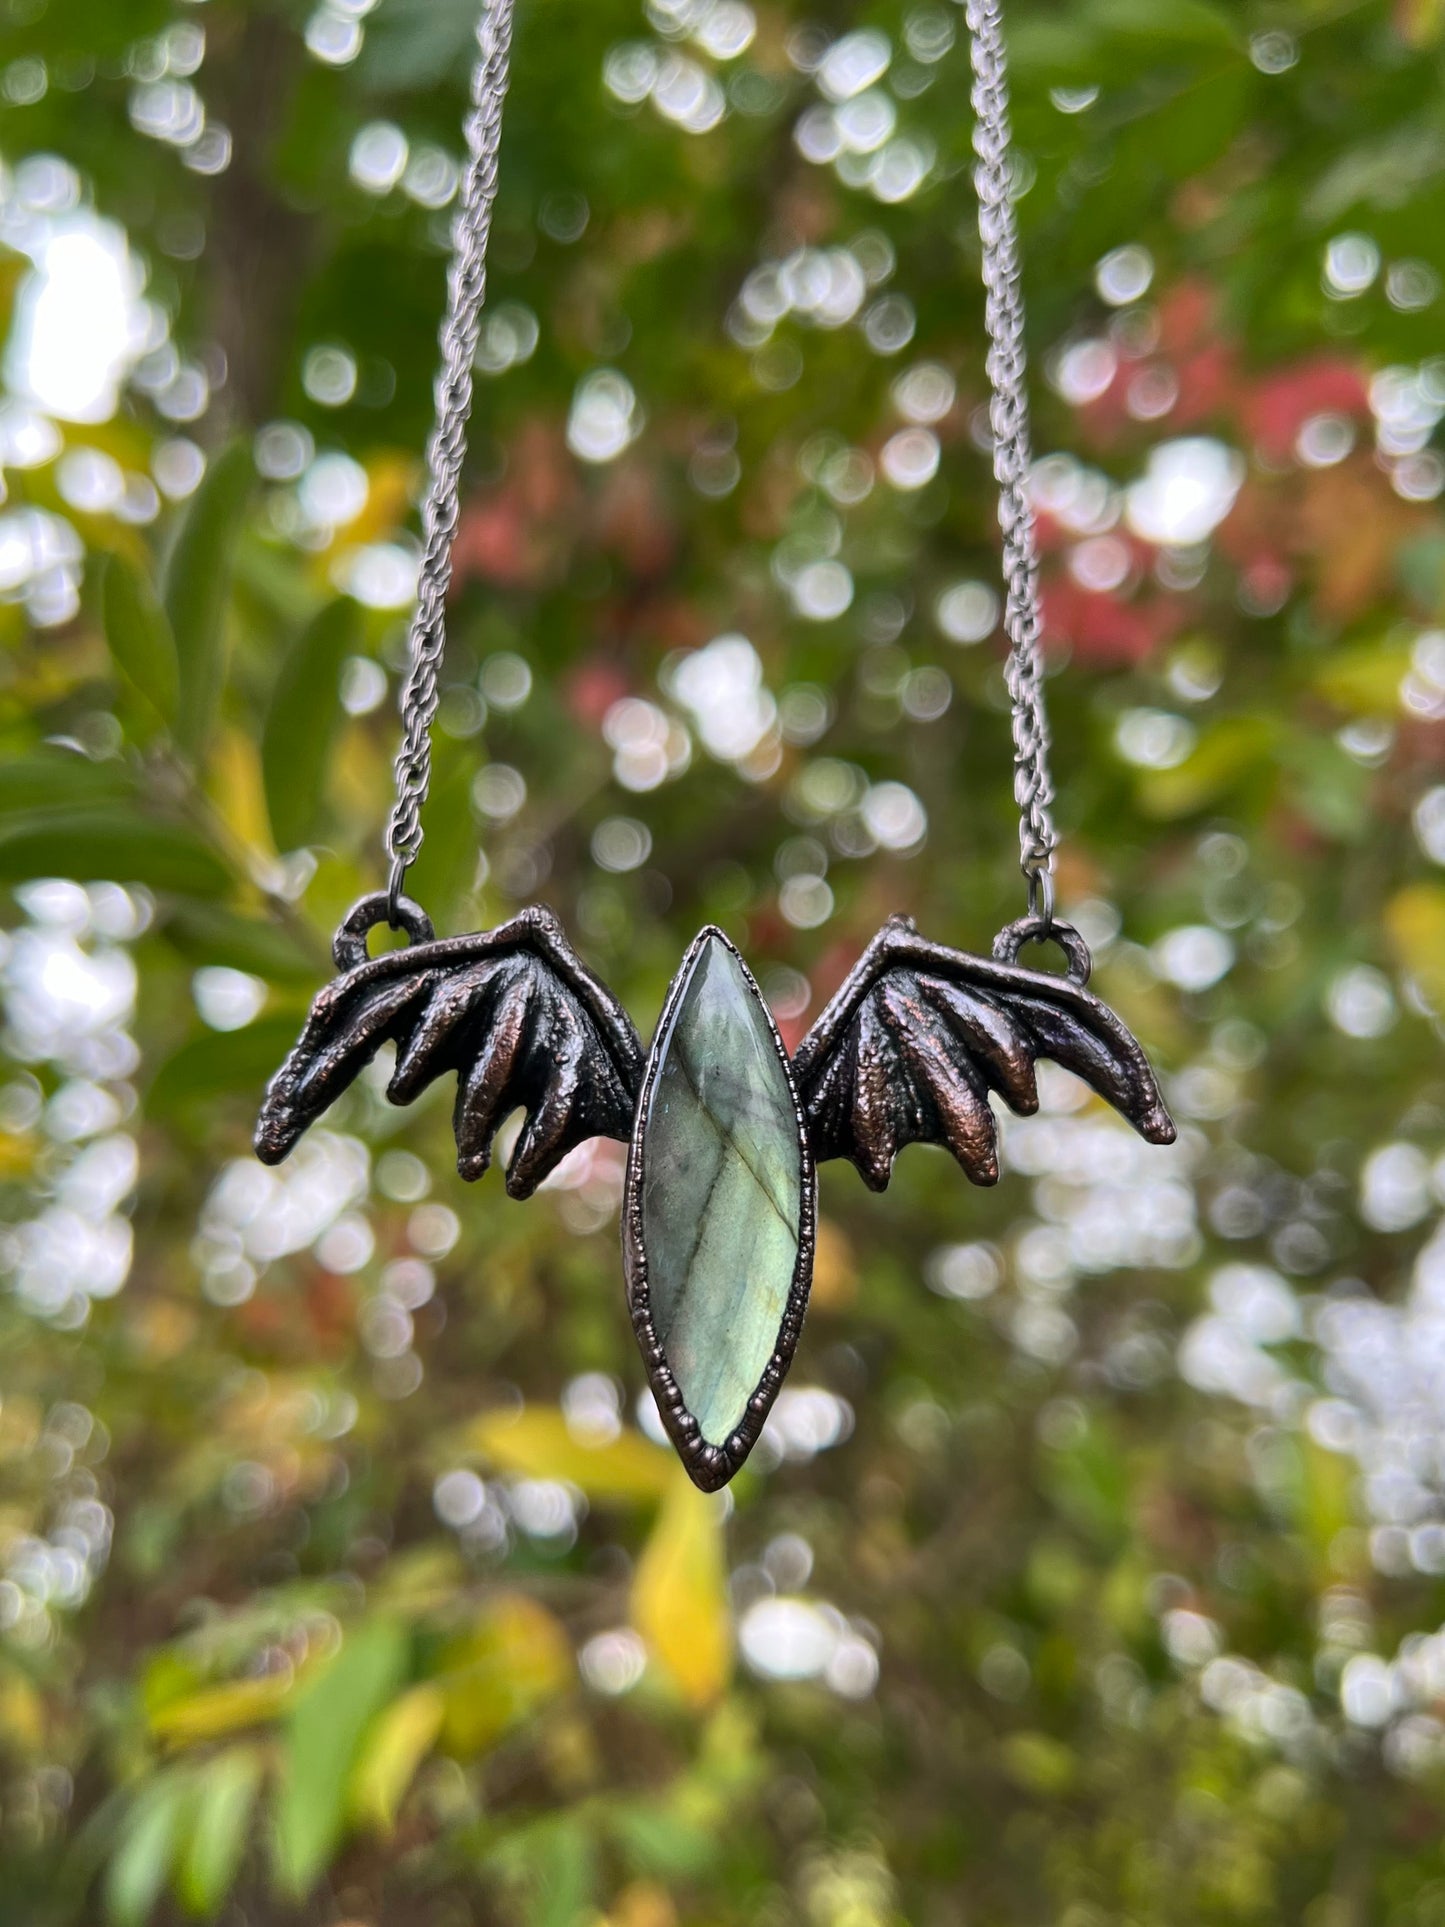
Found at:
[722, 1190]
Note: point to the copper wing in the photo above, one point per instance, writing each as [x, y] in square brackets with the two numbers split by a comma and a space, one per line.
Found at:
[919, 1035]
[513, 1011]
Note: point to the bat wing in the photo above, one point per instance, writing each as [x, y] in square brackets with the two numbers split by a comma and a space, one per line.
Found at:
[513, 1011]
[919, 1035]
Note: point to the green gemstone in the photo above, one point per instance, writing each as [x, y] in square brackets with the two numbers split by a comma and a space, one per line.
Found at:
[722, 1190]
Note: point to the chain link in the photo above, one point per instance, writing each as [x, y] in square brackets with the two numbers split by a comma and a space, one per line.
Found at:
[1008, 413]
[1012, 455]
[466, 290]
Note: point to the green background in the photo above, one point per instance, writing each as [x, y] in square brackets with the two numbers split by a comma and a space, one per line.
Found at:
[1096, 1572]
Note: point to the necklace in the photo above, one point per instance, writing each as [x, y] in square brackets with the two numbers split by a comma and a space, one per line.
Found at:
[724, 1131]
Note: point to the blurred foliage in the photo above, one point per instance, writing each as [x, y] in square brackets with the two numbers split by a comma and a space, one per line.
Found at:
[1099, 1582]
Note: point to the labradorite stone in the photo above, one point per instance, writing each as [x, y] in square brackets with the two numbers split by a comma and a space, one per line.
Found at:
[722, 1191]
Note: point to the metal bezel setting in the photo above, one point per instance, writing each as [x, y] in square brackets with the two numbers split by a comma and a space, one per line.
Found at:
[711, 1466]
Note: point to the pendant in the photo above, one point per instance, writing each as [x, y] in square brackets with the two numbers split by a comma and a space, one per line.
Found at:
[719, 1210]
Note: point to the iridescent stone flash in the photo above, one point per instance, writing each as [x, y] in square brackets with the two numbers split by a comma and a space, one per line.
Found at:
[718, 1220]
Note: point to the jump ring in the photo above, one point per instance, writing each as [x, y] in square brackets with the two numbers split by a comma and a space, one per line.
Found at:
[348, 946]
[1008, 943]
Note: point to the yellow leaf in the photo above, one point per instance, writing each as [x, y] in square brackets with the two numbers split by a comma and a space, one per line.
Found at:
[1365, 680]
[237, 789]
[679, 1596]
[22, 1714]
[17, 1154]
[1415, 921]
[1421, 22]
[642, 1904]
[419, 1581]
[398, 1742]
[219, 1710]
[1039, 1762]
[511, 1663]
[537, 1443]
[20, 1418]
[161, 1330]
[392, 481]
[835, 1274]
[1327, 1497]
[169, 1676]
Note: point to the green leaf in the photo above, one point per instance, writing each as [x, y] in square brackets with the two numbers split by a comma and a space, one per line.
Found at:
[197, 589]
[664, 1840]
[221, 1064]
[302, 722]
[1039, 1763]
[1328, 1497]
[1232, 750]
[554, 1864]
[323, 1740]
[58, 779]
[141, 1864]
[116, 845]
[208, 933]
[139, 634]
[565, 1878]
[416, 43]
[1193, 132]
[1421, 568]
[225, 1801]
[1044, 49]
[1328, 787]
[1186, 22]
[448, 861]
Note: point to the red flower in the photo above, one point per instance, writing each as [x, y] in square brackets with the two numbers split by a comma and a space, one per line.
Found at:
[591, 690]
[1281, 404]
[1105, 632]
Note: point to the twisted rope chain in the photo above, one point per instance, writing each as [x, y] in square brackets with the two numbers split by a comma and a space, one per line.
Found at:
[461, 330]
[998, 230]
[1009, 417]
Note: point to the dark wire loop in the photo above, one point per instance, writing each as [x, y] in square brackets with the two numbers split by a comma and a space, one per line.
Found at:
[1009, 941]
[348, 946]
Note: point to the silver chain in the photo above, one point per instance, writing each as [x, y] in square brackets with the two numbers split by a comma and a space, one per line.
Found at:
[1012, 455]
[461, 330]
[1009, 416]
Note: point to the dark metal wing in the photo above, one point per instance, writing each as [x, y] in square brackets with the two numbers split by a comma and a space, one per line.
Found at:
[513, 1011]
[919, 1035]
